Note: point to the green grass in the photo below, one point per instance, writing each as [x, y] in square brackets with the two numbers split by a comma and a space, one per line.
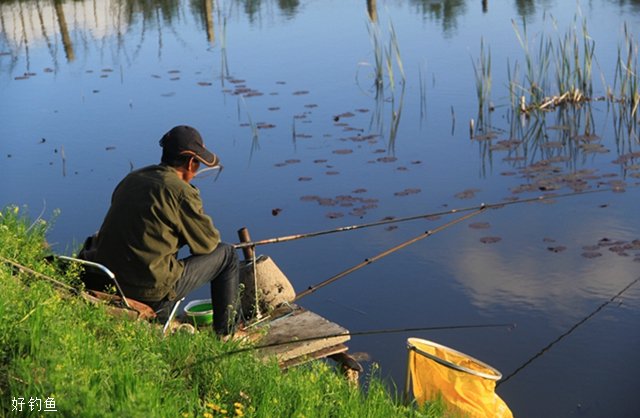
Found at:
[55, 345]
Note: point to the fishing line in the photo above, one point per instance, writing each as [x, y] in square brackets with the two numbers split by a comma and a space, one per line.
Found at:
[377, 257]
[573, 328]
[509, 326]
[415, 217]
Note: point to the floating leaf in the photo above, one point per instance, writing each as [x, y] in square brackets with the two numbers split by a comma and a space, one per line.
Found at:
[490, 240]
[320, 161]
[391, 228]
[387, 159]
[300, 92]
[276, 211]
[304, 179]
[407, 192]
[204, 83]
[552, 144]
[557, 249]
[480, 225]
[343, 151]
[292, 161]
[467, 194]
[591, 254]
[334, 215]
[361, 190]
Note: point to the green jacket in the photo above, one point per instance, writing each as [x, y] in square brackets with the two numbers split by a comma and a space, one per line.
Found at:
[153, 214]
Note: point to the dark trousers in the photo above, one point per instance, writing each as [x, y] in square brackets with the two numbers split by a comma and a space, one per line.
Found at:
[220, 270]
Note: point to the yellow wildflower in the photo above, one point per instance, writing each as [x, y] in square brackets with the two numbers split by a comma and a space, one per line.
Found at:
[239, 412]
[207, 415]
[213, 406]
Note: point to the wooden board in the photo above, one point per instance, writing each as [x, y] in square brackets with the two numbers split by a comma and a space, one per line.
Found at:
[302, 325]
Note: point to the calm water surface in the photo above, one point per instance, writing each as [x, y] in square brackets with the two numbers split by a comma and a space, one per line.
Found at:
[284, 92]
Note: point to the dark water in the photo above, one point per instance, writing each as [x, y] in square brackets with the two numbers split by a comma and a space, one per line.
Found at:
[284, 92]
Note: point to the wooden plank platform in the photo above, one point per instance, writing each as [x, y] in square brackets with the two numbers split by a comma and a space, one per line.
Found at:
[296, 323]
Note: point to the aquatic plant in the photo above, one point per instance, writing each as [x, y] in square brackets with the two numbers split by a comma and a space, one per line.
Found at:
[626, 74]
[482, 73]
[385, 58]
[573, 57]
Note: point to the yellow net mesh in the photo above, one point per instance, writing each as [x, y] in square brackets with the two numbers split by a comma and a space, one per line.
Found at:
[463, 382]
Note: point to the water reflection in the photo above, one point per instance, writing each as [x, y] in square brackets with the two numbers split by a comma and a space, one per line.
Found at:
[23, 23]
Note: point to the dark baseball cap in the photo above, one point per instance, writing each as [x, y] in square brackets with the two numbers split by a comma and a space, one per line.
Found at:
[186, 140]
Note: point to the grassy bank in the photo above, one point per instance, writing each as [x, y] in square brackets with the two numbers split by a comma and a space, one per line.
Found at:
[55, 346]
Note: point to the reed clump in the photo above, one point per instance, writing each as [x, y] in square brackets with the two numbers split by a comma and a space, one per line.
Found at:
[559, 71]
[55, 346]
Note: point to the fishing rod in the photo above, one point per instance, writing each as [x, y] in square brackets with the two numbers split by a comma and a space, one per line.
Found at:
[573, 328]
[509, 326]
[385, 253]
[26, 269]
[412, 218]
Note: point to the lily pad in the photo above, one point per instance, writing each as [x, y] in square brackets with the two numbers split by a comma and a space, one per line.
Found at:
[407, 192]
[334, 215]
[591, 254]
[490, 240]
[467, 194]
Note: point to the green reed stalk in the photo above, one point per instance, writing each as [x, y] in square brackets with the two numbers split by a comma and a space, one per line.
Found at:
[378, 54]
[482, 73]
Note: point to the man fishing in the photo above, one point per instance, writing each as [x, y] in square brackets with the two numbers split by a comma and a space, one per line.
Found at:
[154, 212]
